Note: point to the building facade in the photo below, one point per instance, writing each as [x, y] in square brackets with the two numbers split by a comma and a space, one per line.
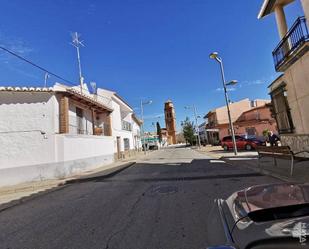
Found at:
[203, 133]
[255, 122]
[290, 91]
[217, 123]
[52, 133]
[125, 125]
[170, 121]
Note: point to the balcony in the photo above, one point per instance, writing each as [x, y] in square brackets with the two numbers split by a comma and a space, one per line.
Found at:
[292, 46]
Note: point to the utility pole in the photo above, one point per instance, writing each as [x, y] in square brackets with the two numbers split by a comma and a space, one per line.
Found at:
[77, 43]
[196, 123]
[196, 127]
[143, 126]
[143, 131]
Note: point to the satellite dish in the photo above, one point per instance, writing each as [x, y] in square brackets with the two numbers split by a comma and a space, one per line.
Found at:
[94, 87]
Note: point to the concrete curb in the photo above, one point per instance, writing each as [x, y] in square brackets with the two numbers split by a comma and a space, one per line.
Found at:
[24, 199]
[264, 172]
[101, 175]
[65, 183]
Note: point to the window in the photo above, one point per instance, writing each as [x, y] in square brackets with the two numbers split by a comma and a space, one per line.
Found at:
[79, 120]
[126, 142]
[252, 103]
[127, 126]
[281, 110]
[251, 131]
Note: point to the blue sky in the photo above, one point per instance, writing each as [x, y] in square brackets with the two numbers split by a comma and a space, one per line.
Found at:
[150, 49]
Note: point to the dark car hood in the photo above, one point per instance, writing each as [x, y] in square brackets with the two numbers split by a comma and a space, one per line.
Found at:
[263, 197]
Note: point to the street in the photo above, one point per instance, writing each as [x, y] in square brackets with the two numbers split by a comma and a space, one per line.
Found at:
[161, 202]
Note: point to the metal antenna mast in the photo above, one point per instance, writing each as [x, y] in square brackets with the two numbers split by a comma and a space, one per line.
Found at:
[77, 43]
[46, 76]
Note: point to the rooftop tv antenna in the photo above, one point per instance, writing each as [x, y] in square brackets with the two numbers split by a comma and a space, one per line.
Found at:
[94, 88]
[77, 43]
[46, 76]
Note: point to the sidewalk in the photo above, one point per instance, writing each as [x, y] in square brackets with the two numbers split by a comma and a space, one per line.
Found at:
[15, 194]
[249, 159]
[218, 152]
[281, 171]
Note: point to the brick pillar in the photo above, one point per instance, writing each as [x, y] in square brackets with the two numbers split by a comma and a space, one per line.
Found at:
[64, 114]
[93, 121]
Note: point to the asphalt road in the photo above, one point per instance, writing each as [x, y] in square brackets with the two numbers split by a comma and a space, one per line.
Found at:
[161, 202]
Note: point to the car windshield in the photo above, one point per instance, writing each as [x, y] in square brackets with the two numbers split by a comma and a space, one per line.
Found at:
[268, 197]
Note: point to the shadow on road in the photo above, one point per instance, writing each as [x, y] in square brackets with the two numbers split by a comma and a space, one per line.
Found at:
[196, 170]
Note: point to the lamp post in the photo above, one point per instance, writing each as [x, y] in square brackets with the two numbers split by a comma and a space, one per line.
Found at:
[216, 57]
[196, 124]
[142, 116]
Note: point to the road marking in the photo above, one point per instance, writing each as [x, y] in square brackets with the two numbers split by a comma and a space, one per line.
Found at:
[217, 161]
[241, 158]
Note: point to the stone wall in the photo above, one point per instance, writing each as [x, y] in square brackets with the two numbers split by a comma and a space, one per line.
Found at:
[296, 142]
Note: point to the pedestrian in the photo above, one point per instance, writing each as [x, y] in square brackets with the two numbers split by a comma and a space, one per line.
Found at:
[273, 139]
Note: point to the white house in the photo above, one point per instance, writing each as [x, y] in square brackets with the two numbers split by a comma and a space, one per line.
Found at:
[125, 125]
[136, 133]
[203, 133]
[52, 133]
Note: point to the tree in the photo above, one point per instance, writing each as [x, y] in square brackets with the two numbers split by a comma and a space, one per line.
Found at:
[159, 133]
[188, 131]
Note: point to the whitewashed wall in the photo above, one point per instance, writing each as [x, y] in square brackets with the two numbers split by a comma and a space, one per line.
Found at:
[26, 122]
[117, 117]
[136, 131]
[31, 149]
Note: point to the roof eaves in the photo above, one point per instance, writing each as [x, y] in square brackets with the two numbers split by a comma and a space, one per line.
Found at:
[266, 8]
[138, 121]
[123, 101]
[25, 89]
[275, 80]
[88, 98]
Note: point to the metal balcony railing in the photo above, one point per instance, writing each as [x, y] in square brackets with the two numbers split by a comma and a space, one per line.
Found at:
[82, 126]
[295, 37]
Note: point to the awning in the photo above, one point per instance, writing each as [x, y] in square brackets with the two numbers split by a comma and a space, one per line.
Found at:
[86, 100]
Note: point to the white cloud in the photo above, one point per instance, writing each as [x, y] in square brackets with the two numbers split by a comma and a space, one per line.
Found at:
[253, 82]
[229, 89]
[154, 116]
[91, 9]
[15, 45]
[11, 62]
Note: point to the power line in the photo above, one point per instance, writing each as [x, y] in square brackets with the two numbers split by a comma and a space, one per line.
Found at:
[35, 65]
[44, 69]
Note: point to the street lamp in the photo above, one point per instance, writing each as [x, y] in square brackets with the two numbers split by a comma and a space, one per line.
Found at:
[196, 124]
[216, 57]
[142, 116]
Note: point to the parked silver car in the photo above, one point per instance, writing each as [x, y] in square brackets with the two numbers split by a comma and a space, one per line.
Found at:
[261, 217]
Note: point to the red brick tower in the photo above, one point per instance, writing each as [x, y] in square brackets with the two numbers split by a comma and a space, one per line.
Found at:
[170, 121]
